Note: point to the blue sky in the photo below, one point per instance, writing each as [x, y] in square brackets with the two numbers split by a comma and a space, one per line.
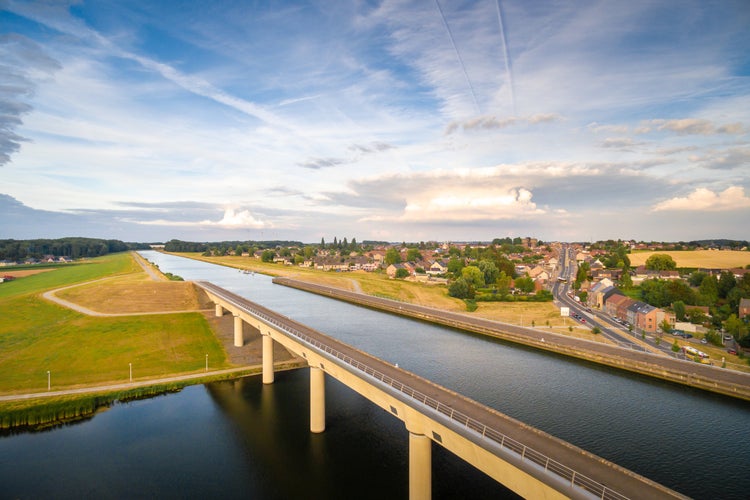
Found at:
[398, 121]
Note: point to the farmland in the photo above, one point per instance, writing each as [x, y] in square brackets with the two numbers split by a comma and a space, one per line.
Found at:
[709, 259]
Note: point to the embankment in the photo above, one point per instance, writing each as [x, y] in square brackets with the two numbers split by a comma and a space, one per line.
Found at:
[709, 378]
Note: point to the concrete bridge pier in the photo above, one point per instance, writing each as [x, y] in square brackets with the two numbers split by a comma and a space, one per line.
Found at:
[420, 467]
[239, 339]
[219, 310]
[267, 359]
[317, 400]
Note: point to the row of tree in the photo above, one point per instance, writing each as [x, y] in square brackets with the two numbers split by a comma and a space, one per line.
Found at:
[74, 248]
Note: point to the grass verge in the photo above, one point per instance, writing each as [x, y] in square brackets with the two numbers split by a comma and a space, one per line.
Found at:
[37, 336]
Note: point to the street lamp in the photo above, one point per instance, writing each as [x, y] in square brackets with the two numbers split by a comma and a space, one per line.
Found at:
[48, 380]
[206, 362]
[130, 365]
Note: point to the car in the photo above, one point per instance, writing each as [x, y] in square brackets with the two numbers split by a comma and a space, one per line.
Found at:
[728, 337]
[731, 350]
[704, 341]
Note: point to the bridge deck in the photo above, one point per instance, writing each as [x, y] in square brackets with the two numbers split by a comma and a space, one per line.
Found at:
[542, 454]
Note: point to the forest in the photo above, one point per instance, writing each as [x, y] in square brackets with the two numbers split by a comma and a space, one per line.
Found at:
[72, 247]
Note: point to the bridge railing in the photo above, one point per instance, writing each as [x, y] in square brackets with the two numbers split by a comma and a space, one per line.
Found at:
[526, 453]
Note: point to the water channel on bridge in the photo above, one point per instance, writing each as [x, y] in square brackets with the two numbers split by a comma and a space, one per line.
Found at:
[243, 439]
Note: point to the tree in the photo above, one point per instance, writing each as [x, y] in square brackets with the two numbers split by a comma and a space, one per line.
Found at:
[626, 281]
[696, 278]
[473, 275]
[735, 327]
[392, 256]
[726, 283]
[665, 326]
[503, 283]
[490, 271]
[661, 262]
[267, 255]
[583, 272]
[460, 289]
[402, 273]
[413, 255]
[679, 310]
[709, 290]
[455, 265]
[525, 284]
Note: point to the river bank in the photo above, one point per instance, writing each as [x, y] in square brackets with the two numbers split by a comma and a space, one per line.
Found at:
[709, 378]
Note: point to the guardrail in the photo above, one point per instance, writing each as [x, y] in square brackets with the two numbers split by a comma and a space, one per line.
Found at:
[574, 477]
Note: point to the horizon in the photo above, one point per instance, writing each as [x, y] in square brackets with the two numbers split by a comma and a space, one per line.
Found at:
[142, 121]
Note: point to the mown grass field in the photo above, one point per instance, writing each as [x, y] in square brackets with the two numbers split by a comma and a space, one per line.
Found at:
[541, 314]
[37, 336]
[710, 259]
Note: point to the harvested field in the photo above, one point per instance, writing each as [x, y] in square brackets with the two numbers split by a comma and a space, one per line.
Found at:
[21, 273]
[137, 297]
[710, 259]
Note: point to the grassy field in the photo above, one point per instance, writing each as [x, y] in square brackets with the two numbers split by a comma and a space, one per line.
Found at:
[712, 259]
[37, 336]
[541, 314]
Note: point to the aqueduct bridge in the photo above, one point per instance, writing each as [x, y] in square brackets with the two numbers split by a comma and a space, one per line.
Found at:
[524, 459]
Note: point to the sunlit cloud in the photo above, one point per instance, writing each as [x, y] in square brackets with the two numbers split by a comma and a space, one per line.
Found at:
[703, 199]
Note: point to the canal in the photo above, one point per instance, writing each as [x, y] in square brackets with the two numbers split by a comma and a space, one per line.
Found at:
[242, 439]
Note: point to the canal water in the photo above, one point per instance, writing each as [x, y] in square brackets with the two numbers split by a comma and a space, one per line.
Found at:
[241, 439]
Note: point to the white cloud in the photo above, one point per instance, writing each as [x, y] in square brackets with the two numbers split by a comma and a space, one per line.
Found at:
[694, 126]
[468, 205]
[232, 219]
[702, 199]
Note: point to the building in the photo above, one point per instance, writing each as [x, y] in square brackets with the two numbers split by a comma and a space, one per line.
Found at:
[744, 308]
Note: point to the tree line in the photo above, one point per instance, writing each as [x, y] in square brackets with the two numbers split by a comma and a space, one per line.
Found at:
[72, 247]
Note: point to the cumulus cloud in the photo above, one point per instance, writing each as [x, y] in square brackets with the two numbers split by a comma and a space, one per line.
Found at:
[703, 199]
[232, 219]
[467, 205]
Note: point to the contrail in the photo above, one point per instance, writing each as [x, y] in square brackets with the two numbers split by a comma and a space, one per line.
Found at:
[463, 68]
[508, 69]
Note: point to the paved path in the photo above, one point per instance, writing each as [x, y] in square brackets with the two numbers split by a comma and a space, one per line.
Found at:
[156, 276]
[125, 386]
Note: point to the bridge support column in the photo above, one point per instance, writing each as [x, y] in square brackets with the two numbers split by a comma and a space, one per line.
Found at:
[317, 400]
[219, 310]
[420, 467]
[267, 359]
[239, 339]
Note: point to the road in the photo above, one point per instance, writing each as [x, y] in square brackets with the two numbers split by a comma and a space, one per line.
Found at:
[609, 328]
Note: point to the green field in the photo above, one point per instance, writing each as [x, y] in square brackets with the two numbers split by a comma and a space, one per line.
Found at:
[37, 336]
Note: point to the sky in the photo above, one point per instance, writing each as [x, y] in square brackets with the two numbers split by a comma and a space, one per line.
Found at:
[376, 120]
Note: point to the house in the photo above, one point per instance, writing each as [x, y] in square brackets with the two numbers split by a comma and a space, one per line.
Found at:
[616, 306]
[539, 274]
[437, 267]
[744, 308]
[646, 318]
[393, 268]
